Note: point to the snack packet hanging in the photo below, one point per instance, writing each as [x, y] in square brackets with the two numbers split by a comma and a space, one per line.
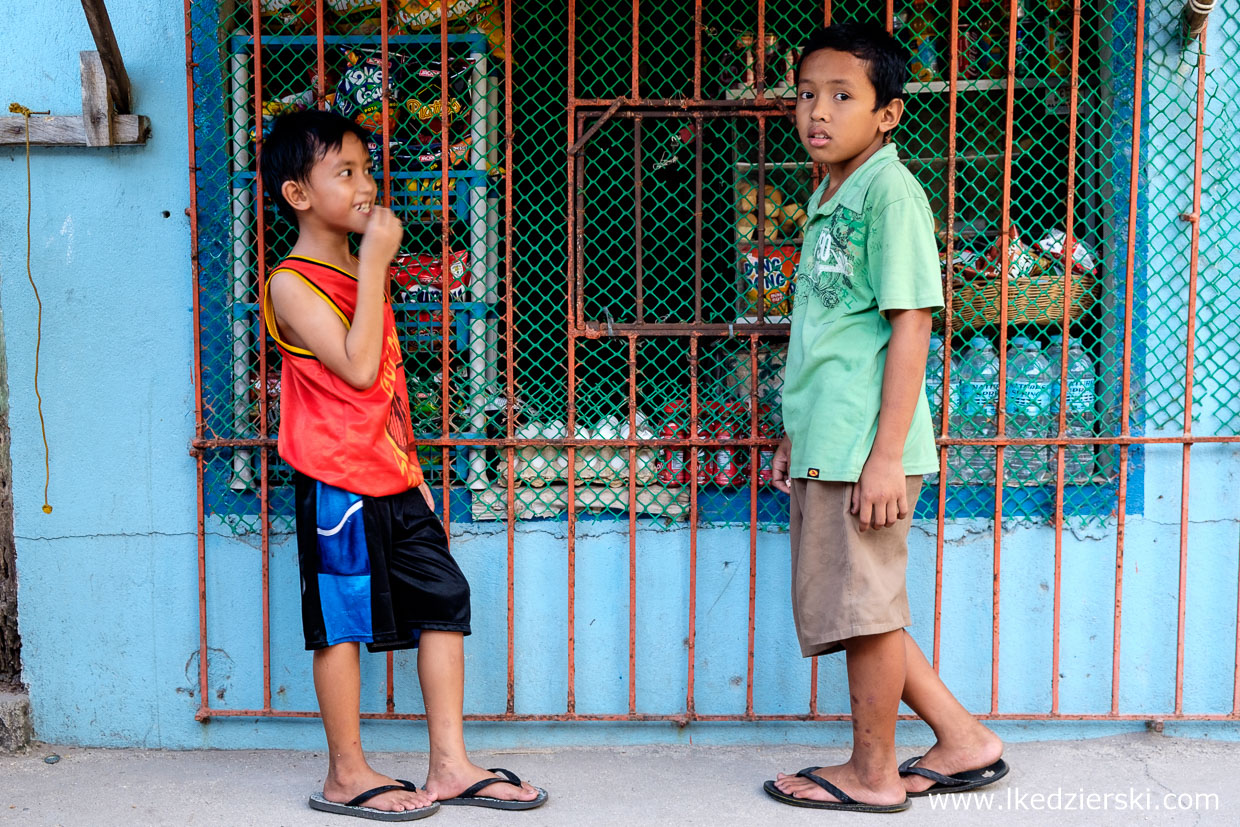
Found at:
[1052, 246]
[774, 280]
[359, 95]
[422, 276]
[413, 15]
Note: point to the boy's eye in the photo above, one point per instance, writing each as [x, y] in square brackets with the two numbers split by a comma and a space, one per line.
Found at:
[807, 95]
[842, 96]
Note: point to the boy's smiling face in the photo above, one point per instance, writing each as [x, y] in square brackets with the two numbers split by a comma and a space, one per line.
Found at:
[835, 112]
[340, 190]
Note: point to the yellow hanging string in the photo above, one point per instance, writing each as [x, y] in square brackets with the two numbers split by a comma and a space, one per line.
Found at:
[17, 108]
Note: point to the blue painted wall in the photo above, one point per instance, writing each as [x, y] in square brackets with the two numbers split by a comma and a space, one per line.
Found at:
[108, 581]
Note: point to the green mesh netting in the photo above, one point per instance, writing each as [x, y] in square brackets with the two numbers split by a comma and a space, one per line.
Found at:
[713, 244]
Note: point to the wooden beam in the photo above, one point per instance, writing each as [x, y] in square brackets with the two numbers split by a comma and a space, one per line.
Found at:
[70, 130]
[109, 55]
[96, 103]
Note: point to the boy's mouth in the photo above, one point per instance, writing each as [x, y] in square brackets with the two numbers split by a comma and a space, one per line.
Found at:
[817, 138]
[364, 208]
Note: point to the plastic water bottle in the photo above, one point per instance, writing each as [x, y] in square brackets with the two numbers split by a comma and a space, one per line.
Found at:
[1079, 459]
[1054, 355]
[1016, 346]
[978, 397]
[1029, 411]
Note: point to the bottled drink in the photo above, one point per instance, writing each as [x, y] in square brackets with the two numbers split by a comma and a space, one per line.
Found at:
[1029, 409]
[1054, 355]
[1016, 346]
[925, 41]
[979, 394]
[1079, 459]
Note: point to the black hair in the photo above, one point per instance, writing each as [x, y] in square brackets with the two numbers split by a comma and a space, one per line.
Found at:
[885, 59]
[296, 143]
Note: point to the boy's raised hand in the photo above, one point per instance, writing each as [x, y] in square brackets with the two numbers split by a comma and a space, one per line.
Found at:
[381, 241]
[880, 496]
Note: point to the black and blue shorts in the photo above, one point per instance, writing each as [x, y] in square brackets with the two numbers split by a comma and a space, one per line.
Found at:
[374, 570]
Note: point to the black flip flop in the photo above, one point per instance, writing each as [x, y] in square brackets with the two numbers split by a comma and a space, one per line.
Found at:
[958, 783]
[355, 808]
[846, 802]
[470, 797]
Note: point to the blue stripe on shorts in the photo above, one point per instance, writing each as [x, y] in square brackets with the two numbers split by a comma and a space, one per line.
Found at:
[344, 565]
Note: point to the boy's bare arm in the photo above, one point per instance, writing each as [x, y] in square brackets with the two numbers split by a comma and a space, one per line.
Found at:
[352, 353]
[880, 496]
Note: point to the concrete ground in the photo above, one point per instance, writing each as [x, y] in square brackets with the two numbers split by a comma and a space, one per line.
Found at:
[1142, 778]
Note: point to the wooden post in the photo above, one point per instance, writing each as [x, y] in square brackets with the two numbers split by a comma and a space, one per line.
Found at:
[96, 102]
[109, 55]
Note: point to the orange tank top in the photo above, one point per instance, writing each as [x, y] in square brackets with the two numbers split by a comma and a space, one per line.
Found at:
[358, 440]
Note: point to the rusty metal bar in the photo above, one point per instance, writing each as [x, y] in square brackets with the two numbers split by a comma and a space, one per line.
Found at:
[510, 409]
[1126, 369]
[759, 233]
[199, 425]
[1193, 439]
[679, 107]
[953, 87]
[635, 66]
[698, 207]
[760, 47]
[576, 146]
[632, 454]
[639, 274]
[692, 465]
[697, 50]
[260, 256]
[1190, 334]
[1005, 238]
[445, 185]
[577, 234]
[575, 313]
[753, 515]
[1065, 329]
[684, 719]
[320, 61]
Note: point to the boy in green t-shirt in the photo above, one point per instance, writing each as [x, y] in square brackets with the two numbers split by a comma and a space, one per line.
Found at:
[859, 432]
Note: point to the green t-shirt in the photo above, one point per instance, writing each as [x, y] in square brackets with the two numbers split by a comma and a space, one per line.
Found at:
[870, 249]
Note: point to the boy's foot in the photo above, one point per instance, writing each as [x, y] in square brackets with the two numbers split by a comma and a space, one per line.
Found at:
[450, 780]
[975, 750]
[885, 792]
[341, 790]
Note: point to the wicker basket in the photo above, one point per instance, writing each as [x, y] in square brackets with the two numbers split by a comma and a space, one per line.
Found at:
[1033, 299]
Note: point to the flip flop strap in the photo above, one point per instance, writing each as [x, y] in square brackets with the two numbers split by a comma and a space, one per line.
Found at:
[386, 788]
[907, 768]
[509, 778]
[843, 797]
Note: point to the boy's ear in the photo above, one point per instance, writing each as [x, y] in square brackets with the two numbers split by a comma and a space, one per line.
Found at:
[889, 116]
[295, 194]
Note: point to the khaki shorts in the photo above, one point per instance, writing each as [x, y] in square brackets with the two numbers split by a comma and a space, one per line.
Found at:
[844, 583]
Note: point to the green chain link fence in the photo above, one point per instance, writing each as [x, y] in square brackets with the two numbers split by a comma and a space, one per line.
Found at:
[750, 177]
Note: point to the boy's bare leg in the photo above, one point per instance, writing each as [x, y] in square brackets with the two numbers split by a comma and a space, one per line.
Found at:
[962, 742]
[441, 671]
[338, 682]
[875, 680]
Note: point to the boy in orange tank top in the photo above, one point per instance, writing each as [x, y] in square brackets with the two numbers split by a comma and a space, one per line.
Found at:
[375, 566]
